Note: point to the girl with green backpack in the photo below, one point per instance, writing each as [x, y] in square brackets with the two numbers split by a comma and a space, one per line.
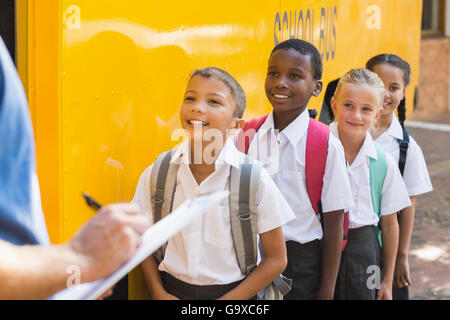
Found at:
[367, 264]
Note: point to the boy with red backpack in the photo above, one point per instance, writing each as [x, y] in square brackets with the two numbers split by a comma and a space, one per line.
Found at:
[308, 166]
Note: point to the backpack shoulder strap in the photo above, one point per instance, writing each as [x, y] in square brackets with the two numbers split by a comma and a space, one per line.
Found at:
[315, 161]
[245, 136]
[403, 144]
[163, 181]
[243, 201]
[377, 170]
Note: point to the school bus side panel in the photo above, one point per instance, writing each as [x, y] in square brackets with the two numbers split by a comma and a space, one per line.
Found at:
[38, 62]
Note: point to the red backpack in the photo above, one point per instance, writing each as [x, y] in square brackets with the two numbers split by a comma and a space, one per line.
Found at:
[315, 159]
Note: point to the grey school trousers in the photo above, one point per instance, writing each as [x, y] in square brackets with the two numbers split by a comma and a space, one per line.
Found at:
[304, 268]
[187, 291]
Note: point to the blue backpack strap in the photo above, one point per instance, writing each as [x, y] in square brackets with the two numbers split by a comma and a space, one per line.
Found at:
[403, 150]
[378, 169]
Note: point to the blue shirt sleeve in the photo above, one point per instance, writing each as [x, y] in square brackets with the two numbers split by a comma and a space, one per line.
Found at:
[21, 217]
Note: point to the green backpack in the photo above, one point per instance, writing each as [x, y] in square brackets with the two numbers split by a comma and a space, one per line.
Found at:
[378, 169]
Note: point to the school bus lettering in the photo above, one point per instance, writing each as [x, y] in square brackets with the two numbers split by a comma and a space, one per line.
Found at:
[309, 26]
[374, 19]
[285, 23]
[72, 17]
[294, 25]
[327, 43]
[277, 21]
[301, 25]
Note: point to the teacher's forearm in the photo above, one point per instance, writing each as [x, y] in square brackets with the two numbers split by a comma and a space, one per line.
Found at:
[36, 272]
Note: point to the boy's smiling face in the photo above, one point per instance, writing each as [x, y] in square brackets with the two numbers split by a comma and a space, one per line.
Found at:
[290, 80]
[207, 104]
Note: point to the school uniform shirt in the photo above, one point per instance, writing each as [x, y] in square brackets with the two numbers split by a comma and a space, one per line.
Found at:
[415, 174]
[394, 196]
[283, 156]
[203, 253]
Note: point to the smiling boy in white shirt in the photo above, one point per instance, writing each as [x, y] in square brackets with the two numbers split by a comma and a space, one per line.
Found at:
[200, 262]
[314, 241]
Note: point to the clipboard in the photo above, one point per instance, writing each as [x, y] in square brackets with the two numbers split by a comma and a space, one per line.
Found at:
[153, 238]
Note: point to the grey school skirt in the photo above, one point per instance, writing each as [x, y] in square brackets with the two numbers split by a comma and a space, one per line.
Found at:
[360, 268]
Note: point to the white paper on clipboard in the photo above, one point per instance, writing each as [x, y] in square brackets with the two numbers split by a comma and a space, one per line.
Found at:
[152, 239]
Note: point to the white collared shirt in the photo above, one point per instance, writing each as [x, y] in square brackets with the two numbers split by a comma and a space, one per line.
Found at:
[203, 253]
[394, 196]
[415, 174]
[283, 156]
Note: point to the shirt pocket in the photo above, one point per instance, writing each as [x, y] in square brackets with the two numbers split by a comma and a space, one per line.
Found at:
[217, 226]
[294, 190]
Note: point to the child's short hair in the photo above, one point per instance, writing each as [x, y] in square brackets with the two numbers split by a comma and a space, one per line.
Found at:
[361, 76]
[306, 49]
[237, 92]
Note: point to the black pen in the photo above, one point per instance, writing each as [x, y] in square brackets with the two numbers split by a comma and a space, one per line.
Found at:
[91, 202]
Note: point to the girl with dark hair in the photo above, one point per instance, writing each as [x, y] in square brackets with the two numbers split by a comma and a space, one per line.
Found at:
[391, 134]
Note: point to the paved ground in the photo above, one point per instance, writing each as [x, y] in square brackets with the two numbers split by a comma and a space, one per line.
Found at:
[430, 245]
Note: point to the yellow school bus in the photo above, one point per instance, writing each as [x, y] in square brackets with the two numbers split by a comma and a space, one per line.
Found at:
[105, 78]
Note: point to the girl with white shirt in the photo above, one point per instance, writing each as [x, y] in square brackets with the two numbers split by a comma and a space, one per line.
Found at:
[389, 133]
[357, 104]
